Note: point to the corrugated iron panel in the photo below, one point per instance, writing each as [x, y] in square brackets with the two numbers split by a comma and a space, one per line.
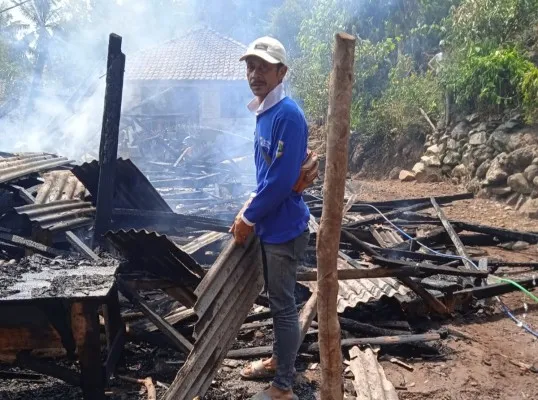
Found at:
[60, 185]
[59, 215]
[133, 189]
[153, 253]
[354, 292]
[225, 296]
[370, 380]
[28, 163]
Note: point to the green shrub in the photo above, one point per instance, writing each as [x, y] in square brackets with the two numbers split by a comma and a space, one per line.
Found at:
[490, 81]
[397, 110]
[529, 88]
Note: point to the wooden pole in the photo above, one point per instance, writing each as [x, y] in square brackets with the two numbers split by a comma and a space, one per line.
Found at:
[328, 239]
[108, 148]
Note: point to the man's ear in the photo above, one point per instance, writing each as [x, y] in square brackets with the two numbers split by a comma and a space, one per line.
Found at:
[282, 71]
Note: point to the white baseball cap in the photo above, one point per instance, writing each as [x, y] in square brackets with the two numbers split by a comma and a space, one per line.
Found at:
[268, 49]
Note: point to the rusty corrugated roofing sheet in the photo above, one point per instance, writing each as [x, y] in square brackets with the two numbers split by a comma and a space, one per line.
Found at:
[201, 54]
[153, 253]
[23, 164]
[59, 215]
[60, 185]
[354, 292]
[133, 189]
[225, 296]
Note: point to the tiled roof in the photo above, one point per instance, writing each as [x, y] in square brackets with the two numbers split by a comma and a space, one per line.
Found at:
[201, 54]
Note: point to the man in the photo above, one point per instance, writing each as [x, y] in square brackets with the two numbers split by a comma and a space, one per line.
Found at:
[276, 211]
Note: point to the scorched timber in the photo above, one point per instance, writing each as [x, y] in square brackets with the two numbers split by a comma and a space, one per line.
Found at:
[264, 351]
[395, 204]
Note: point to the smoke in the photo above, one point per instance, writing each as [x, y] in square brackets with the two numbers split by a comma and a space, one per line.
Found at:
[66, 115]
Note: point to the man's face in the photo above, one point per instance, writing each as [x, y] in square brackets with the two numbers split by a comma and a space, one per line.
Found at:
[263, 76]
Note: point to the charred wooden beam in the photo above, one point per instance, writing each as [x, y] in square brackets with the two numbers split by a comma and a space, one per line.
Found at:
[460, 248]
[353, 326]
[392, 204]
[85, 326]
[31, 245]
[390, 215]
[507, 234]
[264, 351]
[396, 269]
[108, 148]
[79, 244]
[178, 339]
[497, 289]
[173, 220]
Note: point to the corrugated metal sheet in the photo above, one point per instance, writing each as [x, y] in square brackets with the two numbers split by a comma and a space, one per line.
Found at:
[370, 380]
[27, 163]
[133, 189]
[354, 292]
[155, 254]
[59, 215]
[225, 296]
[60, 185]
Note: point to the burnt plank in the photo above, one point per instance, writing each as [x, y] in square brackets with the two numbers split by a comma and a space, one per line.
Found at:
[389, 215]
[177, 338]
[85, 325]
[171, 219]
[392, 204]
[80, 245]
[263, 351]
[507, 234]
[31, 245]
[460, 248]
[108, 147]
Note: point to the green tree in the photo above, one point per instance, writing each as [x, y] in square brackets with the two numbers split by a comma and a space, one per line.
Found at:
[13, 60]
[44, 21]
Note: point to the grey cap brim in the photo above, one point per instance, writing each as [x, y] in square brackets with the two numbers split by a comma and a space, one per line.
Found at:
[261, 54]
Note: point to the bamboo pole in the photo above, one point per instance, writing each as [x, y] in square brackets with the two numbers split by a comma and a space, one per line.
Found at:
[328, 239]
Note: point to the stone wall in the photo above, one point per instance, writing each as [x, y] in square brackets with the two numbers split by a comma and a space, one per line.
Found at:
[497, 158]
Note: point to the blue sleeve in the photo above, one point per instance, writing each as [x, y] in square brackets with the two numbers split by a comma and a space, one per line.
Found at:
[289, 149]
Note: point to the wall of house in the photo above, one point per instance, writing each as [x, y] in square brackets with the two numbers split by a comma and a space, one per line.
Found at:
[215, 104]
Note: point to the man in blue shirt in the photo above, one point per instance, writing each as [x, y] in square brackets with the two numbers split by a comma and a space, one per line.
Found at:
[276, 211]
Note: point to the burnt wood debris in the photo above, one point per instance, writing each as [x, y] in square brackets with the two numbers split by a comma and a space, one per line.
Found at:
[100, 256]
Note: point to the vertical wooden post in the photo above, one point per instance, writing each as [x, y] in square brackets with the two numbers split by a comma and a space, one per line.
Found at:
[108, 148]
[85, 327]
[328, 239]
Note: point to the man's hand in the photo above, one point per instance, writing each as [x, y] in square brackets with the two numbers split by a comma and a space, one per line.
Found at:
[241, 231]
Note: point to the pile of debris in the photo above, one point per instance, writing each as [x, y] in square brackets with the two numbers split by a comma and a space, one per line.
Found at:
[194, 301]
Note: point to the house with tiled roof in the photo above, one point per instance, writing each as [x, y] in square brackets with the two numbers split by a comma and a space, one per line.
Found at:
[196, 78]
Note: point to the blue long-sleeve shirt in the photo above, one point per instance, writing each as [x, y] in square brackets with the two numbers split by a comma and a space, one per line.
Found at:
[280, 146]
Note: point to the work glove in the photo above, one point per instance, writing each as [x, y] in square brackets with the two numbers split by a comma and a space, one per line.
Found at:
[309, 172]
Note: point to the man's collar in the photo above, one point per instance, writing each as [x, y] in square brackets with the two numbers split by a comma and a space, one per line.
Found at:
[272, 99]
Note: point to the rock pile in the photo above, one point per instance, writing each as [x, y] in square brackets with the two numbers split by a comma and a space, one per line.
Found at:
[496, 159]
